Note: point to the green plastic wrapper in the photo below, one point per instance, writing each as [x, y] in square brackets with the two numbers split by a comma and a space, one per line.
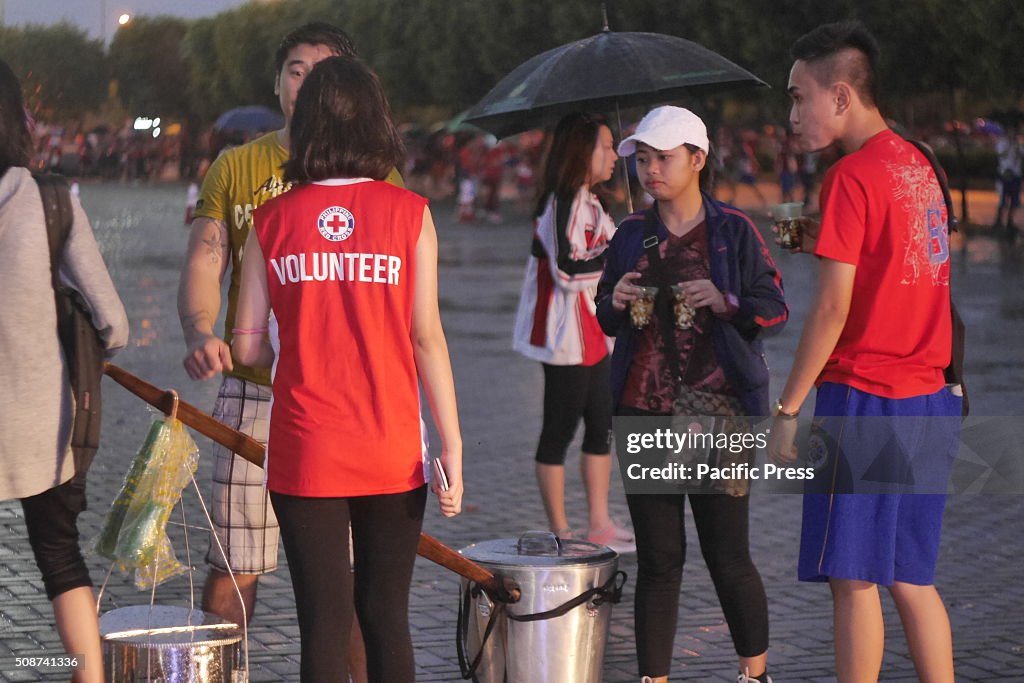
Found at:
[134, 533]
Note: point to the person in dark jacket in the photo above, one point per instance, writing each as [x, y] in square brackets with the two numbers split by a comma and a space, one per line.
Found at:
[721, 267]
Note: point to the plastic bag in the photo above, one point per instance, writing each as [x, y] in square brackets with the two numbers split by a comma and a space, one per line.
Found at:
[134, 533]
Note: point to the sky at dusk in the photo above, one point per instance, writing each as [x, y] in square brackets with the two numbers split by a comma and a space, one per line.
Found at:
[87, 13]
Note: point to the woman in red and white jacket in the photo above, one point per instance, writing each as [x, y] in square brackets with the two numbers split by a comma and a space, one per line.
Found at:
[556, 322]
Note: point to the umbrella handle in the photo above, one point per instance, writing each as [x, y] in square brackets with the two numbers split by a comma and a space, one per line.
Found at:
[625, 166]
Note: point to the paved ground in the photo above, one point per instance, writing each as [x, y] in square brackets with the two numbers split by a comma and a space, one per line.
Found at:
[979, 572]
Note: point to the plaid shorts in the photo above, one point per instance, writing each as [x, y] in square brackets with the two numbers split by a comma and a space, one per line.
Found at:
[243, 517]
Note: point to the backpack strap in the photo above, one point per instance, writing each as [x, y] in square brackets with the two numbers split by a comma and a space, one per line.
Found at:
[663, 313]
[954, 372]
[56, 196]
[940, 175]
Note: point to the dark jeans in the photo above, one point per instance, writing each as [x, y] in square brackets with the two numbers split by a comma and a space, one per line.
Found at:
[50, 519]
[722, 524]
[385, 534]
[1010, 192]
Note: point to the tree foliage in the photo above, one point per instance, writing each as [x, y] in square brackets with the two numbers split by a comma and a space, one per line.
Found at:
[448, 53]
[63, 72]
[147, 59]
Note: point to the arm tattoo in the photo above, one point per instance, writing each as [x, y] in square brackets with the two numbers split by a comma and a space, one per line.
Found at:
[216, 244]
[190, 321]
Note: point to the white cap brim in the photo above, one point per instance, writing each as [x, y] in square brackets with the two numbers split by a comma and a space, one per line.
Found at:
[665, 128]
[628, 146]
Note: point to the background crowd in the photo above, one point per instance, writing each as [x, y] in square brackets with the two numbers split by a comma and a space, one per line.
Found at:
[959, 90]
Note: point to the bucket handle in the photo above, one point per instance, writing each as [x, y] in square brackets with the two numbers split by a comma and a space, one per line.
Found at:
[467, 668]
[610, 591]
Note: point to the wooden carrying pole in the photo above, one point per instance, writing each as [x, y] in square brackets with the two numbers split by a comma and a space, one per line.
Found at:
[253, 451]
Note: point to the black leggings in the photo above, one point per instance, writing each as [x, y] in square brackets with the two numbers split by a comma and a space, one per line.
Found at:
[50, 519]
[722, 525]
[572, 392]
[385, 533]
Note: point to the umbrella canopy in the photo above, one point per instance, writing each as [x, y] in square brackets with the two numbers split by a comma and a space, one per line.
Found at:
[601, 73]
[989, 127]
[458, 124]
[1007, 117]
[250, 119]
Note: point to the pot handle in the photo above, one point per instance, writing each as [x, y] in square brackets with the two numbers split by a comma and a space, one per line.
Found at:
[539, 542]
[610, 591]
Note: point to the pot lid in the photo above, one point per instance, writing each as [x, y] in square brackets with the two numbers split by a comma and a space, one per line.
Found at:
[538, 549]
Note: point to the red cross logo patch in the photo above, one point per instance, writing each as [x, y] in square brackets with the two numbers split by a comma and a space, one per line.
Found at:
[336, 223]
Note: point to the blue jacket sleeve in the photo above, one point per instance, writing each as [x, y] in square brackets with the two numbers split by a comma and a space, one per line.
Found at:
[610, 319]
[762, 304]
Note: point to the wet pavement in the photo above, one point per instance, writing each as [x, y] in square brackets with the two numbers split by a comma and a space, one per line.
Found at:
[141, 234]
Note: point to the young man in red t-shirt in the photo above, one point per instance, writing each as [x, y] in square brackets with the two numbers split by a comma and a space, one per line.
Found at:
[875, 344]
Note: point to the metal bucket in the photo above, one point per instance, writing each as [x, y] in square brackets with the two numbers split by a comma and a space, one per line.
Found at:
[170, 645]
[557, 632]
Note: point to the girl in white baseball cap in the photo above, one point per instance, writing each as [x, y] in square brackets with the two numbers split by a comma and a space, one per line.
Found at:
[698, 353]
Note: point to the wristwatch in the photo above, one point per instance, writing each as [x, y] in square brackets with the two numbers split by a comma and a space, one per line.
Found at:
[777, 411]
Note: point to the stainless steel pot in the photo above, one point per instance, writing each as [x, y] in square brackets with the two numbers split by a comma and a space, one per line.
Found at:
[170, 645]
[556, 633]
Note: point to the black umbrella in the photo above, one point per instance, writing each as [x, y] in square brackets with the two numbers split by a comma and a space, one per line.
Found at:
[1007, 117]
[601, 73]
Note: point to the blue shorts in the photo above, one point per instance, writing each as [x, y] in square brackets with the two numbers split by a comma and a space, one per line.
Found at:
[877, 537]
[787, 182]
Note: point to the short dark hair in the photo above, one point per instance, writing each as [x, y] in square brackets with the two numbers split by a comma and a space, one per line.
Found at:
[568, 159]
[315, 33]
[342, 125]
[842, 51]
[15, 139]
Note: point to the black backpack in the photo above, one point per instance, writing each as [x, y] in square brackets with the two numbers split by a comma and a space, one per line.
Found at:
[79, 339]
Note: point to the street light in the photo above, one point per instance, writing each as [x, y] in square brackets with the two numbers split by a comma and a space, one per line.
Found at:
[124, 19]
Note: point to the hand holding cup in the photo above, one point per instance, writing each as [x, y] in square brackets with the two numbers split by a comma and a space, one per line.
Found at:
[625, 291]
[700, 293]
[787, 224]
[641, 309]
[682, 308]
[794, 231]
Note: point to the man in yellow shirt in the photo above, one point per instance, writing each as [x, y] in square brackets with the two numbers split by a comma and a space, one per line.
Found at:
[241, 179]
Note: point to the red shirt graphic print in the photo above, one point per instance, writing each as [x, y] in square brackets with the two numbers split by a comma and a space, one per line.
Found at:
[883, 211]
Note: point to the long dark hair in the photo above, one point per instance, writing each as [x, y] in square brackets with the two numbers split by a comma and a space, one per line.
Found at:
[15, 140]
[568, 159]
[342, 125]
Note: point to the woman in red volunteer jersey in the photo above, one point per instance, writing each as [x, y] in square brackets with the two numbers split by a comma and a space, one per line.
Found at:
[348, 264]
